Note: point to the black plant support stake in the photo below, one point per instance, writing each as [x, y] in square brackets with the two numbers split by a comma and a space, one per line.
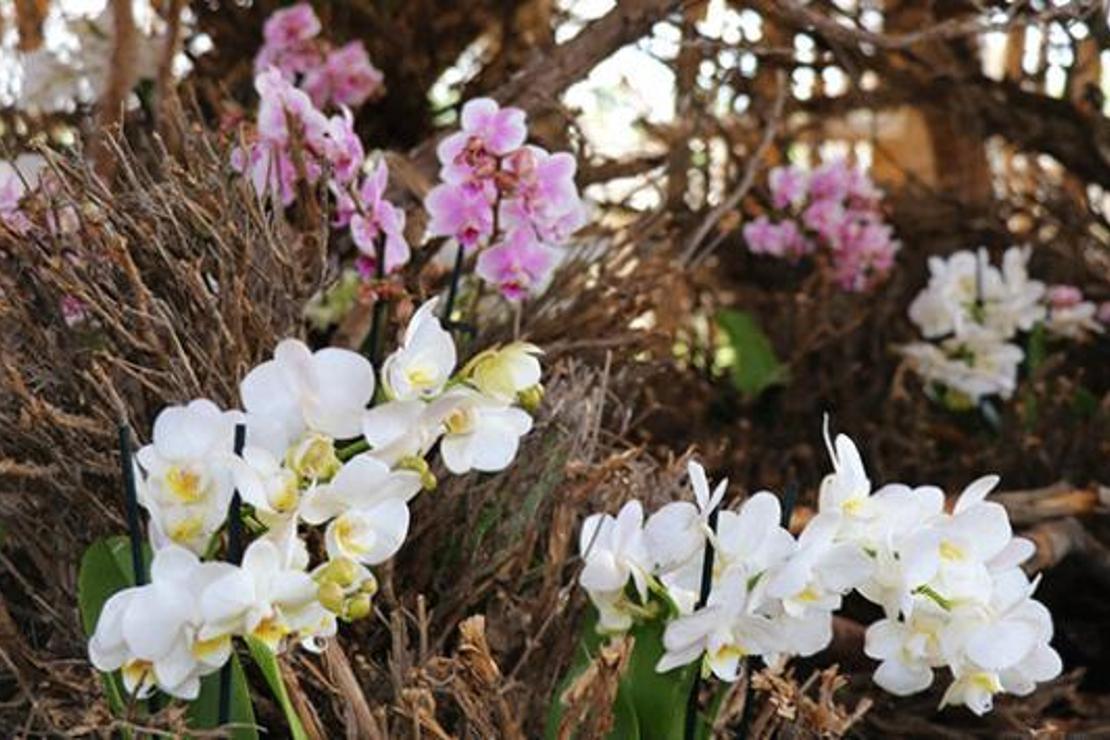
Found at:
[703, 598]
[453, 288]
[371, 348]
[235, 557]
[131, 496]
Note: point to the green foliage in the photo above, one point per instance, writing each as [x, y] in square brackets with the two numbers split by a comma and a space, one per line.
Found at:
[754, 367]
[1036, 348]
[266, 661]
[649, 705]
[204, 711]
[105, 569]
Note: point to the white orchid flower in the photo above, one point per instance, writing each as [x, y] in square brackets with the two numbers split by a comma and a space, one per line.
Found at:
[1020, 302]
[422, 365]
[367, 505]
[396, 430]
[480, 433]
[263, 482]
[187, 484]
[847, 490]
[901, 566]
[956, 284]
[972, 688]
[677, 531]
[802, 635]
[817, 575]
[752, 539]
[1008, 634]
[505, 372]
[908, 650]
[615, 550]
[301, 391]
[725, 631]
[263, 598]
[152, 634]
[362, 483]
[975, 533]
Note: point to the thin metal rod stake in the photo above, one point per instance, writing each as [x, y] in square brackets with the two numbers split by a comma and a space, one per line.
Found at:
[131, 497]
[453, 288]
[235, 557]
[703, 599]
[371, 348]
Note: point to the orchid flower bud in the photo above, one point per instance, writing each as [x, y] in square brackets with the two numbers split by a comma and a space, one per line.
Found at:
[357, 607]
[531, 398]
[314, 458]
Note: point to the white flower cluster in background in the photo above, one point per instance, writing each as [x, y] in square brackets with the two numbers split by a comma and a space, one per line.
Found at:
[949, 582]
[315, 455]
[971, 312]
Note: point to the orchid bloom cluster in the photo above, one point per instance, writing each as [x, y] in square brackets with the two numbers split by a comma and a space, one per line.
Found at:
[330, 76]
[513, 201]
[972, 312]
[314, 457]
[834, 210]
[949, 582]
[295, 140]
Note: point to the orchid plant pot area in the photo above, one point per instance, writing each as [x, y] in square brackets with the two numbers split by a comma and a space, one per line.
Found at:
[645, 370]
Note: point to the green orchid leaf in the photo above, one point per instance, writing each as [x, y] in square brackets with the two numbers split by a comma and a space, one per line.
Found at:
[266, 661]
[204, 711]
[753, 366]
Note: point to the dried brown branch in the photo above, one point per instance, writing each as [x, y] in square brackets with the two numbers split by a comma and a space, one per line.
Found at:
[690, 254]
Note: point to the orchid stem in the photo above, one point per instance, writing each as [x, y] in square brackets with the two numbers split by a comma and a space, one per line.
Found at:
[453, 289]
[234, 556]
[703, 599]
[371, 348]
[132, 500]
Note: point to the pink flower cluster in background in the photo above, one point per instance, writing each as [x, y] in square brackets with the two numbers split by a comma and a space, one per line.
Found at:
[516, 202]
[330, 76]
[288, 123]
[294, 140]
[834, 209]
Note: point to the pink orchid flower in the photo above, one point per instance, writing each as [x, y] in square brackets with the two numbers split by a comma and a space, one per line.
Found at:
[830, 181]
[347, 77]
[342, 147]
[543, 194]
[788, 186]
[291, 25]
[1064, 296]
[459, 212]
[826, 217]
[280, 103]
[518, 265]
[378, 218]
[488, 132]
[864, 254]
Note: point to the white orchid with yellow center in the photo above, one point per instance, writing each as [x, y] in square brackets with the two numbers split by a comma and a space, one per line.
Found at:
[263, 598]
[422, 365]
[152, 633]
[504, 373]
[950, 584]
[480, 433]
[677, 531]
[366, 507]
[301, 394]
[187, 484]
